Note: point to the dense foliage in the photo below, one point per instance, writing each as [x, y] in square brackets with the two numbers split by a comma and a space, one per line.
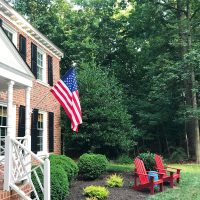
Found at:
[149, 52]
[96, 191]
[59, 182]
[91, 166]
[148, 159]
[114, 181]
[70, 167]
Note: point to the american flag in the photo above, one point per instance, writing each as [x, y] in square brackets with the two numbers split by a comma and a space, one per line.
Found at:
[66, 92]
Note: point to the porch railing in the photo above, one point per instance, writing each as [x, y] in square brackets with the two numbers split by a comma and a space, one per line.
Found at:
[19, 169]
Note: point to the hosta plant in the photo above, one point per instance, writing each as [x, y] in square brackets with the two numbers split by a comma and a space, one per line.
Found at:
[114, 181]
[96, 191]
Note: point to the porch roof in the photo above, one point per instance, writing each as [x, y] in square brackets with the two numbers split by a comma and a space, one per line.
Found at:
[12, 66]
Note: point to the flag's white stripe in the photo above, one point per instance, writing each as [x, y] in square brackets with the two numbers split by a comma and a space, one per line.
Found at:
[64, 85]
[75, 107]
[77, 99]
[76, 112]
[64, 93]
[68, 108]
[62, 99]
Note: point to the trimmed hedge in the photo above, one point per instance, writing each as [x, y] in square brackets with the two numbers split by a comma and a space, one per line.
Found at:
[148, 159]
[91, 166]
[59, 183]
[67, 164]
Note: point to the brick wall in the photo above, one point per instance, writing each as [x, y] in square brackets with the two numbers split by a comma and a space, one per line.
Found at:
[39, 90]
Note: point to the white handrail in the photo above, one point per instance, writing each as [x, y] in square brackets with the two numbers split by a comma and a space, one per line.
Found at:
[26, 149]
[18, 168]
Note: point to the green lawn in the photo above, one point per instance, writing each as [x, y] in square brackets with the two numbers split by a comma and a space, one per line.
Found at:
[113, 167]
[189, 188]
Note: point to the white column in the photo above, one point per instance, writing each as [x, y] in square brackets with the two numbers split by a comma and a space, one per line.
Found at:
[10, 109]
[8, 144]
[27, 127]
[28, 99]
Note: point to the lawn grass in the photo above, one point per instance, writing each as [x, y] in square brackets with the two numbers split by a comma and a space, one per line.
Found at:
[188, 188]
[113, 167]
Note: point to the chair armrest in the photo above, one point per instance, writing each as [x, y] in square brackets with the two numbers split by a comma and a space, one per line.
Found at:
[173, 168]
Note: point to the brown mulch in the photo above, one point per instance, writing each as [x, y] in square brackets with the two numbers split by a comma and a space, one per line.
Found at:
[124, 193]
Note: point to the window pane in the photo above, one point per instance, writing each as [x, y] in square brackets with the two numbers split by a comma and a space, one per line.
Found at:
[9, 34]
[4, 111]
[4, 121]
[40, 132]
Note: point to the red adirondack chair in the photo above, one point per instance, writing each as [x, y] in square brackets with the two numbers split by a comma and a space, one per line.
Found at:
[144, 182]
[173, 175]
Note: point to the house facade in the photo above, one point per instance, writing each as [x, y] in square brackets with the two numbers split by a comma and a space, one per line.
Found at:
[29, 67]
[42, 57]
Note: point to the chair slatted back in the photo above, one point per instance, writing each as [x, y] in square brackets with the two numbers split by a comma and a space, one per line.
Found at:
[140, 168]
[159, 164]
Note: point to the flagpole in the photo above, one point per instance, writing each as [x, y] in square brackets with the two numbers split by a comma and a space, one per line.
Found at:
[46, 95]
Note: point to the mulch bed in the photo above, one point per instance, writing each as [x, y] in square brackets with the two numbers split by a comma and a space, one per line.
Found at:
[124, 193]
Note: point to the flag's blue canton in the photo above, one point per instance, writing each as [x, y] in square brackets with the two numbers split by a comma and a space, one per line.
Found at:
[70, 80]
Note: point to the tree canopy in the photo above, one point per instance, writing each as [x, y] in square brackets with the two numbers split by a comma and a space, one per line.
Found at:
[144, 53]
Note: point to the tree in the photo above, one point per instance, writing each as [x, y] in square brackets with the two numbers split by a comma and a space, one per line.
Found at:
[106, 124]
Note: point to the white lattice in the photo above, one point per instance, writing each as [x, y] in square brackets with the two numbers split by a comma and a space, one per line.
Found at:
[23, 171]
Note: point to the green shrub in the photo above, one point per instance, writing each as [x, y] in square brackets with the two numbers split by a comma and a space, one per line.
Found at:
[92, 166]
[148, 159]
[67, 164]
[96, 191]
[178, 155]
[59, 183]
[124, 159]
[114, 181]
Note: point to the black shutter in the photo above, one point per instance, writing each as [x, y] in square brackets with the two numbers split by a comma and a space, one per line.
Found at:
[34, 131]
[50, 71]
[1, 22]
[34, 59]
[21, 124]
[22, 47]
[51, 132]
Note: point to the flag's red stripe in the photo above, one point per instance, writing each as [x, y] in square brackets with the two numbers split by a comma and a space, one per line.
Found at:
[77, 103]
[60, 101]
[70, 113]
[63, 95]
[76, 109]
[66, 91]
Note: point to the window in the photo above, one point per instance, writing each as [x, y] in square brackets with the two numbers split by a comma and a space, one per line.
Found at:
[38, 63]
[3, 127]
[9, 34]
[40, 128]
[40, 68]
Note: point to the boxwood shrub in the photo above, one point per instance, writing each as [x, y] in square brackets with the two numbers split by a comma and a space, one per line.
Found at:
[91, 166]
[67, 164]
[148, 159]
[59, 183]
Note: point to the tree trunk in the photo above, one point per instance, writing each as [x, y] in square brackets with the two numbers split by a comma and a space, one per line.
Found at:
[185, 46]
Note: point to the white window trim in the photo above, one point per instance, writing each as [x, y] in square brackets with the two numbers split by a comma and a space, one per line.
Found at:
[11, 30]
[44, 74]
[44, 151]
